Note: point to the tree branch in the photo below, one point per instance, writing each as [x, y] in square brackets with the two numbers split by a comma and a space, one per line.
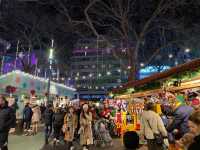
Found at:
[88, 18]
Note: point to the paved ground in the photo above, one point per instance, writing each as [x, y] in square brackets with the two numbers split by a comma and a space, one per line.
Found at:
[37, 143]
[25, 142]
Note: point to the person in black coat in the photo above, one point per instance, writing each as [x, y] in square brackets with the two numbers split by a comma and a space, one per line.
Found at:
[27, 116]
[7, 119]
[194, 125]
[58, 121]
[48, 120]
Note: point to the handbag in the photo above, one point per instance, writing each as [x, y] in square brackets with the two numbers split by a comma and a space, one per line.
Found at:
[157, 137]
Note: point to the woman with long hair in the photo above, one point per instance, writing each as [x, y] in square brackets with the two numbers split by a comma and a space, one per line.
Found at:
[70, 125]
[36, 118]
[86, 136]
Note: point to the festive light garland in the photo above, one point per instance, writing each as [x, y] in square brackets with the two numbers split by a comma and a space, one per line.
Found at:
[36, 78]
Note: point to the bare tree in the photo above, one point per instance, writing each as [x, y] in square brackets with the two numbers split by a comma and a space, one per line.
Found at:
[130, 21]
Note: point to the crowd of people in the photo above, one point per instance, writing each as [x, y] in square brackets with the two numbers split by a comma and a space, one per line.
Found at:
[178, 126]
[72, 123]
[67, 123]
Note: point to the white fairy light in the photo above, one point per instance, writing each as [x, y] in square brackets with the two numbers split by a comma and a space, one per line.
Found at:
[108, 73]
[187, 50]
[170, 56]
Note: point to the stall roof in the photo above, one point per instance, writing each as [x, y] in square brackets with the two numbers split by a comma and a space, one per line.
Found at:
[28, 82]
[158, 76]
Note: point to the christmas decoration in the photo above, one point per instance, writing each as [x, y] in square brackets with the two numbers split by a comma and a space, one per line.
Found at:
[25, 82]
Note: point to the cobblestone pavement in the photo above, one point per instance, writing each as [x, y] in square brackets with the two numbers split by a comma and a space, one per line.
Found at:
[37, 143]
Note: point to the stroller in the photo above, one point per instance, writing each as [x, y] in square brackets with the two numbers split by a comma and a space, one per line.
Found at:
[102, 136]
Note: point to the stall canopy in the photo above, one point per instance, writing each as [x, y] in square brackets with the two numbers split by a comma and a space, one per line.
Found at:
[190, 66]
[24, 82]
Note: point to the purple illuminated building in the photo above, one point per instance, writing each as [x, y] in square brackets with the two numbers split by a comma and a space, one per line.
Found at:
[10, 62]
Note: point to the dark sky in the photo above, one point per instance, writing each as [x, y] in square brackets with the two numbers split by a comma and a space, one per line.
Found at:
[41, 21]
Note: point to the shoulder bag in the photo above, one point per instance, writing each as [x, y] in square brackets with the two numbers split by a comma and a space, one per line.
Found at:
[157, 137]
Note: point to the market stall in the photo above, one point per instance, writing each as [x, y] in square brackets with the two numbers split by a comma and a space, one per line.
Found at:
[171, 86]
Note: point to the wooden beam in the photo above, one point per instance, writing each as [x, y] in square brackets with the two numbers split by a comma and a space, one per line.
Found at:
[159, 76]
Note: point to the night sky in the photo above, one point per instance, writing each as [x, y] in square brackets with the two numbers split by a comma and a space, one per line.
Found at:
[35, 23]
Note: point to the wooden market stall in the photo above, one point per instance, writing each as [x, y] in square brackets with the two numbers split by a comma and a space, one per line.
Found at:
[168, 81]
[190, 66]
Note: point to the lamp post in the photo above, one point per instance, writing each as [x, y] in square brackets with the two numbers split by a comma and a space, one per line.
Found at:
[50, 67]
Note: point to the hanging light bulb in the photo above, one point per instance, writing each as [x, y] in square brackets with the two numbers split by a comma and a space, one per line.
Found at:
[129, 67]
[76, 78]
[142, 64]
[84, 77]
[99, 75]
[187, 50]
[90, 75]
[77, 74]
[170, 56]
[119, 70]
